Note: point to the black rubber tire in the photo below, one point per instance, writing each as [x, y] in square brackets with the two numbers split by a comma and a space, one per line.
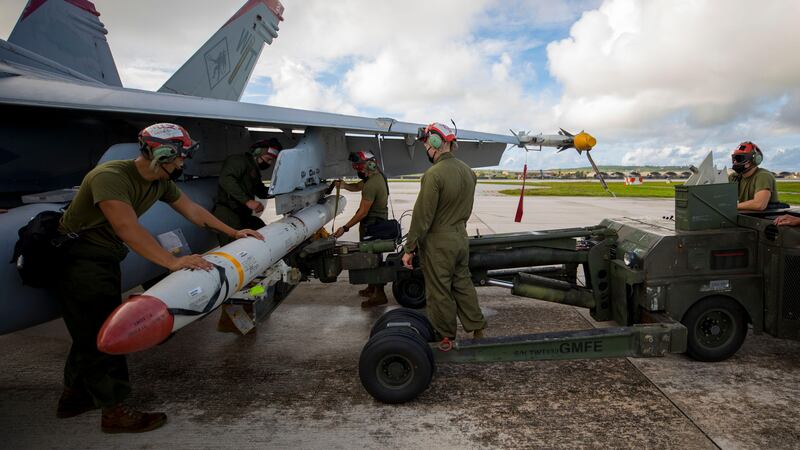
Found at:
[717, 327]
[395, 366]
[410, 291]
[416, 319]
[406, 332]
[391, 331]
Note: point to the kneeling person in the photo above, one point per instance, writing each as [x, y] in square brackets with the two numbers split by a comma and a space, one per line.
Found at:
[372, 209]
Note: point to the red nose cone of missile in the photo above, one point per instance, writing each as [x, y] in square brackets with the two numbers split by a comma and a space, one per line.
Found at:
[140, 323]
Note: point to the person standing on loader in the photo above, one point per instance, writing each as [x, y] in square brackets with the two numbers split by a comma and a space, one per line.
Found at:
[240, 183]
[372, 209]
[438, 232]
[757, 186]
[100, 225]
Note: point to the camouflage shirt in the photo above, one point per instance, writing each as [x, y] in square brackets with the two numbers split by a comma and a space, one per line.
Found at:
[240, 181]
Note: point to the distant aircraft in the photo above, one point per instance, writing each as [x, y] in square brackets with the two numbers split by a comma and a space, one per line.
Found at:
[65, 110]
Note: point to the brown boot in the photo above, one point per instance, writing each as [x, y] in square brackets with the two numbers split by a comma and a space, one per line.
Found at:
[377, 298]
[121, 419]
[479, 334]
[74, 402]
[367, 292]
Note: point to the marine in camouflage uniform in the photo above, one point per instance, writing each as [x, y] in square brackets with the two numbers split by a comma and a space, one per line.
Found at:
[438, 234]
[240, 183]
[104, 215]
[757, 186]
[372, 209]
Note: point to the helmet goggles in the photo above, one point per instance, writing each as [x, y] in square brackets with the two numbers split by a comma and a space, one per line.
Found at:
[179, 150]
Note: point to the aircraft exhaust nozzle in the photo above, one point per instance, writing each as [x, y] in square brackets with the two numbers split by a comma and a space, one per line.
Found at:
[584, 141]
[140, 323]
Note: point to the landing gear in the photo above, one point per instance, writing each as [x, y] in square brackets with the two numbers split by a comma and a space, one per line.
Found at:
[396, 364]
[716, 328]
[409, 291]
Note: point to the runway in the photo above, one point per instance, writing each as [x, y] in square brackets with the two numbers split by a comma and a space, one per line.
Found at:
[294, 384]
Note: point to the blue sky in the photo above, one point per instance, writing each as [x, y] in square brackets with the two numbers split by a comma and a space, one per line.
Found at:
[657, 82]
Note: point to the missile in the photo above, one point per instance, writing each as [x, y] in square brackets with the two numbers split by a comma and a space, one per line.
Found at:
[563, 140]
[147, 319]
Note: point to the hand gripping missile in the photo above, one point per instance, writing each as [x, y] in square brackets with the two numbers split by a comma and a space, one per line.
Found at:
[147, 319]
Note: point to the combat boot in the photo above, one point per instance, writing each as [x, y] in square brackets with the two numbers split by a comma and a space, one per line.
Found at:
[377, 298]
[367, 292]
[122, 419]
[74, 402]
[479, 334]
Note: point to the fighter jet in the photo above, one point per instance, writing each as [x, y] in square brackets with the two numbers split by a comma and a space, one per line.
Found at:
[65, 110]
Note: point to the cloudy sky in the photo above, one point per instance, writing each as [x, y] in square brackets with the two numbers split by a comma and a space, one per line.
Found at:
[657, 82]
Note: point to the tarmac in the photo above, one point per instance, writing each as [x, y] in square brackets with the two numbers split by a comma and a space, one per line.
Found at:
[293, 383]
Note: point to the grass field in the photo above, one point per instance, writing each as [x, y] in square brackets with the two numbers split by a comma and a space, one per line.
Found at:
[789, 192]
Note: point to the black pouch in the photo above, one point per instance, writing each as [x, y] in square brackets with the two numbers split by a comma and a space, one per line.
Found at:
[35, 251]
[386, 229]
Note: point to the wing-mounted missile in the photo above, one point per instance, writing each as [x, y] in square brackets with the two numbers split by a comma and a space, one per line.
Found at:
[581, 142]
[562, 141]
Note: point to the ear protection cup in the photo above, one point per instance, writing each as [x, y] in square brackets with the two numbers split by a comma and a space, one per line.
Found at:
[371, 165]
[164, 154]
[435, 141]
[256, 152]
[758, 157]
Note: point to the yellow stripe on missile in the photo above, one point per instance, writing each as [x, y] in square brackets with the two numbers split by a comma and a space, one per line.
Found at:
[235, 263]
[584, 141]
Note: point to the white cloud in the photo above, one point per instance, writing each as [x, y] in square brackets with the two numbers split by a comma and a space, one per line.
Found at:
[646, 78]
[671, 156]
[418, 62]
[295, 86]
[783, 159]
[633, 65]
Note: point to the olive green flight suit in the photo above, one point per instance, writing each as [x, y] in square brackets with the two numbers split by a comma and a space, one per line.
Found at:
[89, 281]
[438, 231]
[239, 181]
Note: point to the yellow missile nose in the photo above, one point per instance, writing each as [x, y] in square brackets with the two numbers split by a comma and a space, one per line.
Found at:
[584, 141]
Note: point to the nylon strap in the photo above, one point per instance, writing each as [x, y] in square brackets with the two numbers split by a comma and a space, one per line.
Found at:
[223, 281]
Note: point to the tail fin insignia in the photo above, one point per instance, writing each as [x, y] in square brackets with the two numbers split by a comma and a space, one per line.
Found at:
[222, 67]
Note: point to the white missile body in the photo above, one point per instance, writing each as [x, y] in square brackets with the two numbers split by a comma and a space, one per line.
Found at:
[187, 295]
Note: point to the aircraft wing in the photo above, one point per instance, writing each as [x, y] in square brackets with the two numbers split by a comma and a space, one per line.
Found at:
[22, 87]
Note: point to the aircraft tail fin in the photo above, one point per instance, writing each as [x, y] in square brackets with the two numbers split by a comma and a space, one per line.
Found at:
[223, 65]
[70, 33]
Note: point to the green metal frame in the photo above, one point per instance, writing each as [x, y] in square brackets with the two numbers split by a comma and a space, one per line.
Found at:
[638, 341]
